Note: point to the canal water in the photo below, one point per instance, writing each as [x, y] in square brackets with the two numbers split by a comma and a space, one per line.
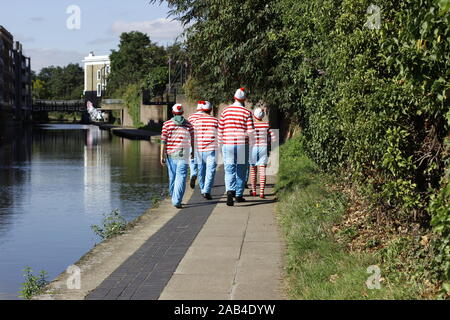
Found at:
[57, 181]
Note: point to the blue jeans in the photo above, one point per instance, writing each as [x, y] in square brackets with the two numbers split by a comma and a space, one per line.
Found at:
[235, 160]
[177, 168]
[207, 166]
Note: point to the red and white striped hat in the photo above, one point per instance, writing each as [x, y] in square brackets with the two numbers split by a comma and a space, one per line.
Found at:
[177, 109]
[200, 105]
[204, 106]
[240, 95]
[259, 113]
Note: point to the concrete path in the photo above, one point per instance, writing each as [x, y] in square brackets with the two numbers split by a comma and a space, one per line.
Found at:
[237, 255]
[206, 251]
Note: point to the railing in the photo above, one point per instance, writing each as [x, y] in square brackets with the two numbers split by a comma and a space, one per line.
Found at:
[112, 101]
[59, 105]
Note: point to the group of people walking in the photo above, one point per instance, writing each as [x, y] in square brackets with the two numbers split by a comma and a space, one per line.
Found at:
[242, 135]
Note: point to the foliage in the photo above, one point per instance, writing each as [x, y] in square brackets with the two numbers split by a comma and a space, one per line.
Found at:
[135, 61]
[38, 88]
[192, 88]
[439, 209]
[59, 83]
[113, 224]
[228, 45]
[156, 81]
[132, 98]
[140, 64]
[33, 285]
[318, 266]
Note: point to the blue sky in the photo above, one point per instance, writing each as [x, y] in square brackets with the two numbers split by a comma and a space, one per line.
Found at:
[41, 27]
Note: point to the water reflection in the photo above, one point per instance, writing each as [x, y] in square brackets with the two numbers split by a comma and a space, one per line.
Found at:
[15, 152]
[56, 182]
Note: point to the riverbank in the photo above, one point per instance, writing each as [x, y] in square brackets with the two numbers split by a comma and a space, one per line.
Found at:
[100, 262]
[204, 251]
[130, 132]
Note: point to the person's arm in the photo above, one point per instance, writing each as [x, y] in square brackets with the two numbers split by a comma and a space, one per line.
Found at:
[163, 153]
[250, 128]
[192, 132]
[220, 132]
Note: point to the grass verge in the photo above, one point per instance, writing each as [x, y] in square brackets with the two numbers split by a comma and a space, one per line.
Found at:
[318, 266]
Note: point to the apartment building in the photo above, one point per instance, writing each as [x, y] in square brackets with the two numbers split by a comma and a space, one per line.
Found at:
[96, 72]
[15, 80]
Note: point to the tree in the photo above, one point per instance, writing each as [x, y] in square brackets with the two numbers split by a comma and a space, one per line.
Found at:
[229, 45]
[59, 83]
[38, 89]
[134, 61]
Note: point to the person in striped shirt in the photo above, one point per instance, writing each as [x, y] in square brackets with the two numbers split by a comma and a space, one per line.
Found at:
[259, 154]
[193, 165]
[205, 128]
[177, 139]
[235, 126]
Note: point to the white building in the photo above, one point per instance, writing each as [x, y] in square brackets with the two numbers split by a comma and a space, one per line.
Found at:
[96, 71]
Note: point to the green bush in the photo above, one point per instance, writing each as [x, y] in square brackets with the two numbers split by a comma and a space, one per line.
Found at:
[379, 108]
[439, 209]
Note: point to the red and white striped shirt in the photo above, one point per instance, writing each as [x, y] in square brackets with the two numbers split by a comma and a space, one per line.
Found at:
[235, 125]
[205, 128]
[177, 137]
[261, 133]
[193, 117]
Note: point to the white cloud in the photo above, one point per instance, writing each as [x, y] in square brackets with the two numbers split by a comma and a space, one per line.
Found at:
[41, 58]
[159, 30]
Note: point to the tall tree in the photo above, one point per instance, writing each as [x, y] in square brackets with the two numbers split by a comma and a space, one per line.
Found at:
[59, 83]
[131, 64]
[229, 45]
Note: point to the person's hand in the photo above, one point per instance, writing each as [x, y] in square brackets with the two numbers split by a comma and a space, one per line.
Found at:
[163, 161]
[192, 155]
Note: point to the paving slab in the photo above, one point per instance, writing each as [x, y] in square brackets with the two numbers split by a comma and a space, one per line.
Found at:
[200, 283]
[212, 252]
[206, 265]
[242, 242]
[193, 296]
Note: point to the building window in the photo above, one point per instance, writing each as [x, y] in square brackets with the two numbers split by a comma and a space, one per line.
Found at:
[99, 74]
[108, 70]
[99, 89]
